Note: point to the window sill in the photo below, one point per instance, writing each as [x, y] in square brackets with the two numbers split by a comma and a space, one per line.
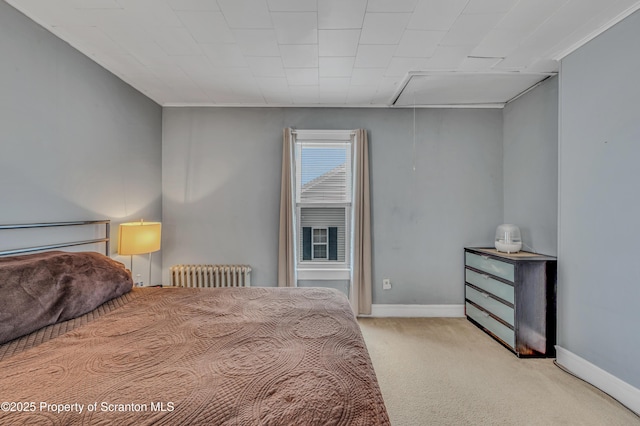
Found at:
[324, 274]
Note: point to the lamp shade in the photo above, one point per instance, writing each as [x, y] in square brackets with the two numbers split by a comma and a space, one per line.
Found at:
[139, 237]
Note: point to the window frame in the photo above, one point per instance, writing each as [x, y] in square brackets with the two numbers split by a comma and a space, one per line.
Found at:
[321, 269]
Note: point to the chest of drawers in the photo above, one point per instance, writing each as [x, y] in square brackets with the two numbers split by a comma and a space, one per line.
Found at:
[512, 297]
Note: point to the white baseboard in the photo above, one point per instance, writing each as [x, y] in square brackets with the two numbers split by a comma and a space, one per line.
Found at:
[607, 382]
[417, 311]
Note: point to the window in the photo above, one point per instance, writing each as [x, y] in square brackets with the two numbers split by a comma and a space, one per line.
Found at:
[320, 243]
[323, 199]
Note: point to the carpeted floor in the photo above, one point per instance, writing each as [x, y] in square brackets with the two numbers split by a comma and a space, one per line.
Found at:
[445, 371]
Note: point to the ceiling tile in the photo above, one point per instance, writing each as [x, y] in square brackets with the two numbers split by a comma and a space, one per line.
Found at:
[224, 55]
[304, 95]
[246, 13]
[246, 97]
[171, 74]
[299, 55]
[336, 67]
[498, 43]
[436, 14]
[374, 55]
[478, 64]
[222, 95]
[302, 76]
[128, 35]
[361, 95]
[272, 84]
[419, 43]
[388, 87]
[156, 62]
[236, 79]
[150, 12]
[334, 84]
[49, 13]
[126, 64]
[468, 29]
[257, 42]
[277, 98]
[338, 42]
[399, 67]
[292, 5]
[193, 96]
[551, 35]
[489, 6]
[385, 94]
[95, 4]
[198, 68]
[176, 41]
[391, 5]
[206, 26]
[110, 18]
[333, 98]
[381, 98]
[192, 5]
[527, 15]
[93, 39]
[341, 14]
[154, 87]
[383, 28]
[235, 74]
[296, 27]
[266, 66]
[367, 76]
[176, 78]
[448, 57]
[517, 61]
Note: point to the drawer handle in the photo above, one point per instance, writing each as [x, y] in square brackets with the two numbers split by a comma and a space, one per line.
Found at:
[484, 314]
[485, 295]
[485, 276]
[484, 256]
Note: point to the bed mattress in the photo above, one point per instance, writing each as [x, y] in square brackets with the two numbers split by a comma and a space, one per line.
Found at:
[230, 356]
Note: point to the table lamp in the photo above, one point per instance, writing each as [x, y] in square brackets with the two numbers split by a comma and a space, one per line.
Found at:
[139, 238]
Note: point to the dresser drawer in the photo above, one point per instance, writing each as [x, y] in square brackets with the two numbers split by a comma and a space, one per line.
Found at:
[491, 266]
[503, 332]
[486, 283]
[489, 304]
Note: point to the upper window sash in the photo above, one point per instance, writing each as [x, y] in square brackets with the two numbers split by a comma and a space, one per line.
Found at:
[323, 172]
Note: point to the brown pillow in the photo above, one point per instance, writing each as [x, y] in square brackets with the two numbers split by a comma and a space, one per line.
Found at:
[37, 290]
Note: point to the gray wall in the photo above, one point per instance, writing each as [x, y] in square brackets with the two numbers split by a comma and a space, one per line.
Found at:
[531, 167]
[75, 141]
[599, 226]
[221, 187]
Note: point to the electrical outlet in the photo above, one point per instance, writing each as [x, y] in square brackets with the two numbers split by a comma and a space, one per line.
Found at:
[386, 284]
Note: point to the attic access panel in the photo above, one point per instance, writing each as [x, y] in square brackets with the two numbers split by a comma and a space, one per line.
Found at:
[465, 89]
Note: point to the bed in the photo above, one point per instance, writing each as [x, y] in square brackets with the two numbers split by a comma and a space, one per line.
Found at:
[226, 356]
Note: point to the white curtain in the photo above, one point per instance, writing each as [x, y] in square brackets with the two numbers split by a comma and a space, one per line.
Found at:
[361, 262]
[286, 249]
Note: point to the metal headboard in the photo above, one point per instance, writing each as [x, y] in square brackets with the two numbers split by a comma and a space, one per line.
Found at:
[105, 239]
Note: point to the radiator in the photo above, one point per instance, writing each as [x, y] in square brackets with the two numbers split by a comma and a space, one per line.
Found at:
[210, 276]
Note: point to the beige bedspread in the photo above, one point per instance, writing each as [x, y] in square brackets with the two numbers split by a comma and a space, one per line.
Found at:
[249, 356]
